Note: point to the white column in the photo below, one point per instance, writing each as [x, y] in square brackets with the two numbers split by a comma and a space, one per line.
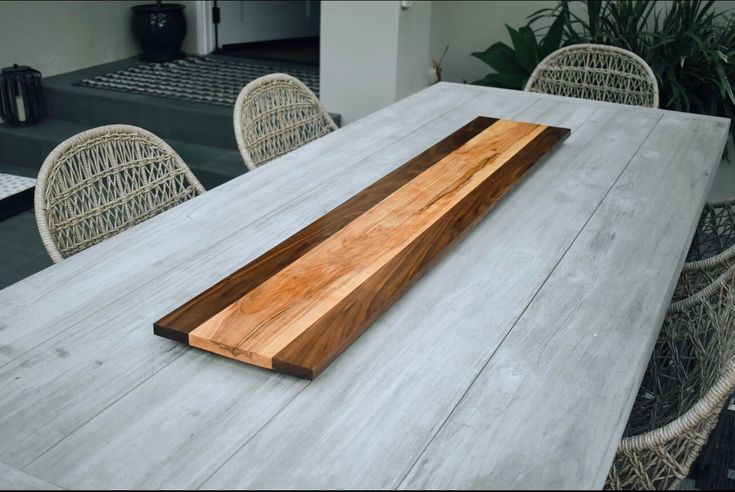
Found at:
[372, 54]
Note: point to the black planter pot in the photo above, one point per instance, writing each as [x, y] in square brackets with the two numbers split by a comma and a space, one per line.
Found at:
[159, 30]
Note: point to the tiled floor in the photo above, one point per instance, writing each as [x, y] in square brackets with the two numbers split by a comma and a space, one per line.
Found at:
[300, 50]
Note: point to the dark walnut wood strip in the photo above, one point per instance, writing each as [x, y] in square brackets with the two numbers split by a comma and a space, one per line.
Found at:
[304, 315]
[179, 323]
[312, 351]
[331, 284]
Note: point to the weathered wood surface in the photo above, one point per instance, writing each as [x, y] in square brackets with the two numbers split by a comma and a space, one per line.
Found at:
[90, 397]
[298, 306]
[562, 365]
[14, 479]
[40, 341]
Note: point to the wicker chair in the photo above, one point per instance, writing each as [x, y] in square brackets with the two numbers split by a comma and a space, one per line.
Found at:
[689, 379]
[103, 181]
[599, 72]
[715, 232]
[697, 275]
[276, 114]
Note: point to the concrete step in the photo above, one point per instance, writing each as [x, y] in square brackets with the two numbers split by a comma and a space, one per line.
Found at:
[186, 121]
[201, 133]
[29, 146]
[27, 172]
[25, 149]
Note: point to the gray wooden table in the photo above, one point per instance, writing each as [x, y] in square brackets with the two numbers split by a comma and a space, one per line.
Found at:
[513, 363]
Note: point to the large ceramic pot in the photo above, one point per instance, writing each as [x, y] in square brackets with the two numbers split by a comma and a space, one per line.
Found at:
[159, 29]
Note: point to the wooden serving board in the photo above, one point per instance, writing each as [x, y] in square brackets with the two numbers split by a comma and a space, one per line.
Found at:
[298, 306]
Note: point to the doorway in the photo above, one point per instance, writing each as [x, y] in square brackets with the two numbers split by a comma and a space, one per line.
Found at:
[277, 30]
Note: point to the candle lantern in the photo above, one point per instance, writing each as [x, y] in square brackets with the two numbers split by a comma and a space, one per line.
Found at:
[21, 98]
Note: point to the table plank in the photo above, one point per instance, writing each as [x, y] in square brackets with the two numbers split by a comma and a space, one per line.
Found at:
[59, 385]
[524, 409]
[107, 271]
[379, 408]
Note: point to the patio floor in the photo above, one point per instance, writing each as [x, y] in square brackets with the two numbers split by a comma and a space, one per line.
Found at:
[21, 251]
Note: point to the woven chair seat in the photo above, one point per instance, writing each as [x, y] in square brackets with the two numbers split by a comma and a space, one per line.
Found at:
[102, 181]
[689, 379]
[276, 114]
[715, 231]
[598, 72]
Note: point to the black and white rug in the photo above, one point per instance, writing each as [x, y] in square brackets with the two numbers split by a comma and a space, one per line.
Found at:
[205, 79]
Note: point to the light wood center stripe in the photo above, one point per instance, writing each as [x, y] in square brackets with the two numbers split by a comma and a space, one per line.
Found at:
[179, 323]
[268, 318]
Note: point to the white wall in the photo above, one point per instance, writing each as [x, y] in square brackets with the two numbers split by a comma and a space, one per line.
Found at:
[192, 44]
[372, 54]
[722, 5]
[58, 37]
[469, 26]
[723, 186]
[61, 36]
[358, 56]
[414, 49]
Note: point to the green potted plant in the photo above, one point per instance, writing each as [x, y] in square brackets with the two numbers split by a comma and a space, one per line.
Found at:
[514, 65]
[689, 46]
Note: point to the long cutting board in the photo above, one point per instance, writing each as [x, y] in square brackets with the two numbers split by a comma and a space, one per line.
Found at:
[298, 306]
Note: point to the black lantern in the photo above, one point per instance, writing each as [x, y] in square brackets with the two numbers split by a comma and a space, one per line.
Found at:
[21, 98]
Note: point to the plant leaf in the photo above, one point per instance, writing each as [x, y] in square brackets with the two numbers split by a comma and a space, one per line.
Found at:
[593, 12]
[524, 42]
[502, 58]
[689, 44]
[504, 80]
[552, 40]
[725, 84]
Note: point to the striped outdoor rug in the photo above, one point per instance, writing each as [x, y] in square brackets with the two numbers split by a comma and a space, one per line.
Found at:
[205, 79]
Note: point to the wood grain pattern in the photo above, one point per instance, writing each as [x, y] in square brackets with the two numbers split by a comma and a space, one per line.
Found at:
[532, 369]
[14, 479]
[331, 280]
[183, 320]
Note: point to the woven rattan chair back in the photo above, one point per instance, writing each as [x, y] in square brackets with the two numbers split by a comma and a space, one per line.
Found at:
[689, 378]
[715, 231]
[103, 181]
[276, 114]
[599, 72]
